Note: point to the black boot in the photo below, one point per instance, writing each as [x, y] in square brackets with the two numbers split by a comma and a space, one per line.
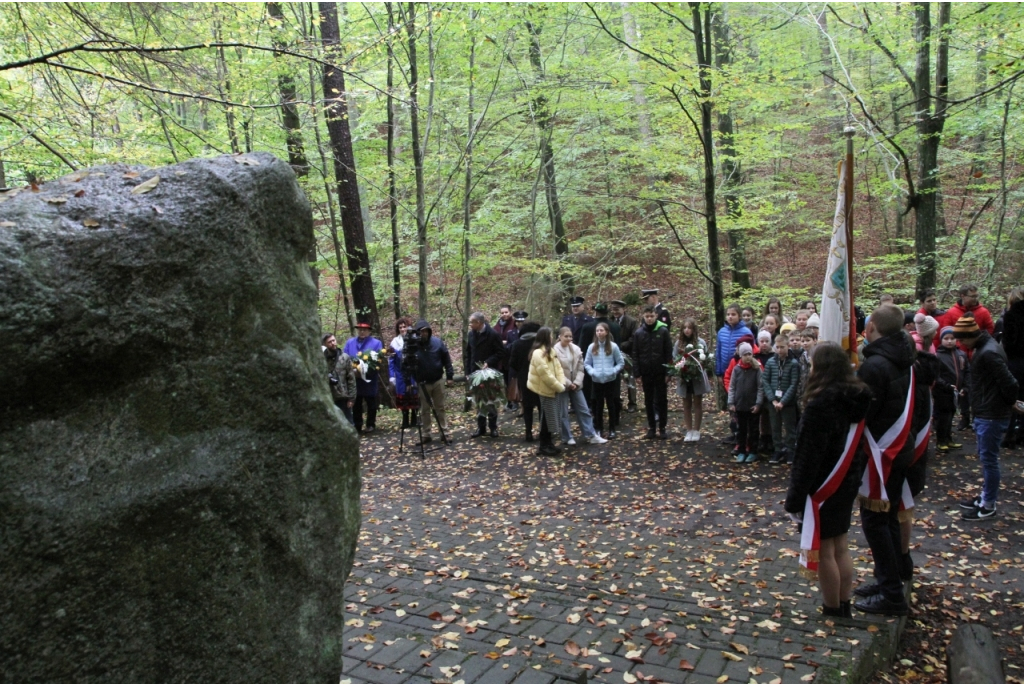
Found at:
[847, 609]
[906, 567]
[547, 447]
[832, 611]
[492, 420]
[529, 435]
[481, 427]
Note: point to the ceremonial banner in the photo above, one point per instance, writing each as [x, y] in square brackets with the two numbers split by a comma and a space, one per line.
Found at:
[838, 323]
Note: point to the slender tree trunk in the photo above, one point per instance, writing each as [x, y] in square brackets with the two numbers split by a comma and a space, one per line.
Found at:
[639, 97]
[345, 170]
[702, 41]
[929, 131]
[289, 109]
[730, 165]
[396, 263]
[417, 157]
[547, 156]
[827, 72]
[224, 90]
[3, 175]
[467, 284]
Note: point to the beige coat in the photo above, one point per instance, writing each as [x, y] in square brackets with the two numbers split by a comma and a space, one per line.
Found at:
[546, 376]
[571, 358]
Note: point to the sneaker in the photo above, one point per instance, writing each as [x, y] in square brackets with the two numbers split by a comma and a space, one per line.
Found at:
[571, 442]
[866, 590]
[611, 434]
[942, 448]
[954, 445]
[597, 440]
[696, 436]
[969, 504]
[740, 458]
[688, 437]
[751, 457]
[978, 514]
[777, 458]
[880, 604]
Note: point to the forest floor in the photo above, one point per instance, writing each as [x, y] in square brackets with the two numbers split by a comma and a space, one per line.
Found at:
[645, 561]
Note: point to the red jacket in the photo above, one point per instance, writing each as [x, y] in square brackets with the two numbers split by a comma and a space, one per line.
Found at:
[981, 316]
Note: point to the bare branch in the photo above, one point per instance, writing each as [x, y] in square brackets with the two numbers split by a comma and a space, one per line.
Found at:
[619, 40]
[679, 240]
[39, 140]
[678, 19]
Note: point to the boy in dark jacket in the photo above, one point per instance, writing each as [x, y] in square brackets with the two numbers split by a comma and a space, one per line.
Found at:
[652, 350]
[950, 385]
[780, 380]
[886, 370]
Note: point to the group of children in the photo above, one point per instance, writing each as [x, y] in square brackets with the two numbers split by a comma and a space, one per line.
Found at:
[764, 378]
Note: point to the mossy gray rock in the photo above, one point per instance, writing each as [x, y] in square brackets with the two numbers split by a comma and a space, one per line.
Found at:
[180, 497]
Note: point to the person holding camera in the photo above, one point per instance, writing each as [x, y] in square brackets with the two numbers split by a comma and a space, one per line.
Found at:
[341, 375]
[433, 363]
[400, 374]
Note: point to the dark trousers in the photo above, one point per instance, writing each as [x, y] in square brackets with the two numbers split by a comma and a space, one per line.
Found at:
[601, 394]
[343, 406]
[370, 403]
[965, 409]
[945, 407]
[531, 401]
[748, 431]
[656, 400]
[882, 530]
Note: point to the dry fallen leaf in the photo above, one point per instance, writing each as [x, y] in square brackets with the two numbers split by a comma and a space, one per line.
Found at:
[503, 642]
[686, 665]
[146, 186]
[572, 649]
[732, 657]
[58, 200]
[573, 618]
[628, 677]
[131, 174]
[743, 649]
[7, 224]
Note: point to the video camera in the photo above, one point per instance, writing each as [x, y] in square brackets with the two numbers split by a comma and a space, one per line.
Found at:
[412, 344]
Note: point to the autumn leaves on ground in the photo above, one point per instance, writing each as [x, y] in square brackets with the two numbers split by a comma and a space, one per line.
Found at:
[638, 520]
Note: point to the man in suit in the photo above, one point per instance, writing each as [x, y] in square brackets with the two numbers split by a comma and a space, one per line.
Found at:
[578, 319]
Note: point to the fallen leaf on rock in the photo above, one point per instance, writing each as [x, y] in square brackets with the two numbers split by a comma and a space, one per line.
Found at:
[146, 186]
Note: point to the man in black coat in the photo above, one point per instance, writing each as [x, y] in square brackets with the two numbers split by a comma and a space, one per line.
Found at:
[993, 391]
[628, 326]
[485, 352]
[577, 320]
[886, 370]
[652, 348]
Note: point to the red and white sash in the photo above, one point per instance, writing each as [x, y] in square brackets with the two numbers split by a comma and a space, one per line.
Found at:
[810, 539]
[881, 454]
[920, 447]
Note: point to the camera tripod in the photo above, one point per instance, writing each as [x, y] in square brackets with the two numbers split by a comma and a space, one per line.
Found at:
[445, 441]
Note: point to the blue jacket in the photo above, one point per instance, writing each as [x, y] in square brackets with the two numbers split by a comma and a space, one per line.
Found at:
[403, 385]
[601, 367]
[726, 346]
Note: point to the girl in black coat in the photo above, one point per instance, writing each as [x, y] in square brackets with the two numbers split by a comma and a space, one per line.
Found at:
[834, 398]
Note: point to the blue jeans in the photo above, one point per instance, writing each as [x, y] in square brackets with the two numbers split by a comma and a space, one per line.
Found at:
[989, 433]
[579, 405]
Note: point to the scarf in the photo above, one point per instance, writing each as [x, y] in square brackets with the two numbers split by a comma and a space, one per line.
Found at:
[810, 538]
[881, 454]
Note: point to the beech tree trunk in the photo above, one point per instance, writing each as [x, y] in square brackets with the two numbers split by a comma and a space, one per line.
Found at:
[289, 110]
[396, 272]
[345, 170]
[417, 157]
[731, 175]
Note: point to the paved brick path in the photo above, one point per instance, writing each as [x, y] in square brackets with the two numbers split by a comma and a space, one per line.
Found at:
[636, 561]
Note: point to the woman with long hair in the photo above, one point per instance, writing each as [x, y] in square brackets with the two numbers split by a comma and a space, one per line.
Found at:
[689, 344]
[771, 323]
[774, 306]
[827, 471]
[603, 363]
[547, 379]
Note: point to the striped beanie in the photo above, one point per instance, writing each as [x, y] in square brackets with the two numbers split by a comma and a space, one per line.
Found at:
[966, 327]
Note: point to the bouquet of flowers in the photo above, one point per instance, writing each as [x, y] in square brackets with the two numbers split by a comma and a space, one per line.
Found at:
[487, 390]
[693, 364]
[366, 363]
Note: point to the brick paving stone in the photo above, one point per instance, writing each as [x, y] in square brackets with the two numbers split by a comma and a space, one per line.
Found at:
[366, 673]
[534, 676]
[711, 664]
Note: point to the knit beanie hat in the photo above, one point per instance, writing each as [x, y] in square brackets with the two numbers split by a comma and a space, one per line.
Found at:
[814, 321]
[948, 330]
[966, 327]
[764, 335]
[744, 348]
[787, 327]
[745, 339]
[926, 325]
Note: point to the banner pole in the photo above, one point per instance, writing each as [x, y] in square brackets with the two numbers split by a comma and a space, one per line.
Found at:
[848, 193]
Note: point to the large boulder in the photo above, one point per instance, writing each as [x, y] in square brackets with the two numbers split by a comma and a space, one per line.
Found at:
[179, 498]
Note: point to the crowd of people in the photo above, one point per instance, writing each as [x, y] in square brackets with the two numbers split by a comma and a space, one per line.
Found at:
[851, 434]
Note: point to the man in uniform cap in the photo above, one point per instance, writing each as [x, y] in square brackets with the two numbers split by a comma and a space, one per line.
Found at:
[650, 296]
[628, 326]
[579, 318]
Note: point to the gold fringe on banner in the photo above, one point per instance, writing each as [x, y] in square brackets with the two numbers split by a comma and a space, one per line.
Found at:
[873, 504]
[906, 515]
[810, 555]
[808, 574]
